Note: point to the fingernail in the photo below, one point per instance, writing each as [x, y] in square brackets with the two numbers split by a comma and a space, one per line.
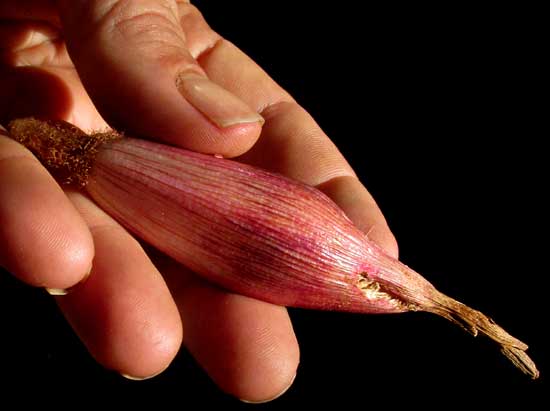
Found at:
[272, 398]
[57, 291]
[129, 377]
[219, 105]
[132, 378]
[65, 291]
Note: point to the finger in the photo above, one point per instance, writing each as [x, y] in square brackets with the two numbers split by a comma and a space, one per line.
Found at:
[359, 205]
[17, 35]
[38, 79]
[52, 92]
[124, 312]
[134, 62]
[290, 132]
[291, 142]
[248, 347]
[44, 240]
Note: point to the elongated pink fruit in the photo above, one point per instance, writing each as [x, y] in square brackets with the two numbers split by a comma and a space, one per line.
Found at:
[248, 230]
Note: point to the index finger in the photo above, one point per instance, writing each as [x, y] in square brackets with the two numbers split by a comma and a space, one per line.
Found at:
[44, 240]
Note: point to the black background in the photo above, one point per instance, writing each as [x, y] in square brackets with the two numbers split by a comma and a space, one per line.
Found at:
[439, 110]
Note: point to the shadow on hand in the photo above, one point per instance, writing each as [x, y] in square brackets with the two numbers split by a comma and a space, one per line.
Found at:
[31, 91]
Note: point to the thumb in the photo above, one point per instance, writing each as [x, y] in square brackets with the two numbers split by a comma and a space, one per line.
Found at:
[133, 59]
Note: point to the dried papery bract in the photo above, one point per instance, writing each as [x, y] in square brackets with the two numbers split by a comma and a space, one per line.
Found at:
[251, 231]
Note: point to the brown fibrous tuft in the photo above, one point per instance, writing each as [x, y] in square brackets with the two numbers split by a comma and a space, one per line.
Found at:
[64, 149]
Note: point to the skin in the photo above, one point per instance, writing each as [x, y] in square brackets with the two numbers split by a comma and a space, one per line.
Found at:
[82, 61]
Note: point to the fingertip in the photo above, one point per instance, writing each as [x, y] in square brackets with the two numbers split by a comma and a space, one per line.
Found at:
[268, 371]
[361, 208]
[137, 342]
[154, 356]
[56, 292]
[382, 236]
[247, 346]
[59, 265]
[238, 139]
[135, 336]
[70, 262]
[269, 399]
[124, 312]
[45, 241]
[275, 383]
[176, 118]
[142, 378]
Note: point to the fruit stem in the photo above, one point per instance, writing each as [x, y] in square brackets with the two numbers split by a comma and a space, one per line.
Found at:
[474, 321]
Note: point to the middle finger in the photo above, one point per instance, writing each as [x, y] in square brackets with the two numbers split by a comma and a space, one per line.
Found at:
[124, 313]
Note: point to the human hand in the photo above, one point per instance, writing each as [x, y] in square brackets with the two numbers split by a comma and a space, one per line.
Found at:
[133, 56]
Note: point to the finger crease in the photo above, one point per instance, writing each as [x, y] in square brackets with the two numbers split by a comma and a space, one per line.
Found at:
[208, 49]
[272, 108]
[102, 228]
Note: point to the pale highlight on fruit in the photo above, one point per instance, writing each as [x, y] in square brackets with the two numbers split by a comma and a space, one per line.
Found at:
[251, 231]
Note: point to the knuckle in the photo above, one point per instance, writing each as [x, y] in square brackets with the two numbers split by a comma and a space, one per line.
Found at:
[150, 27]
[135, 17]
[189, 15]
[145, 24]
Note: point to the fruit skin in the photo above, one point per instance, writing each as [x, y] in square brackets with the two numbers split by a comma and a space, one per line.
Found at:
[249, 230]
